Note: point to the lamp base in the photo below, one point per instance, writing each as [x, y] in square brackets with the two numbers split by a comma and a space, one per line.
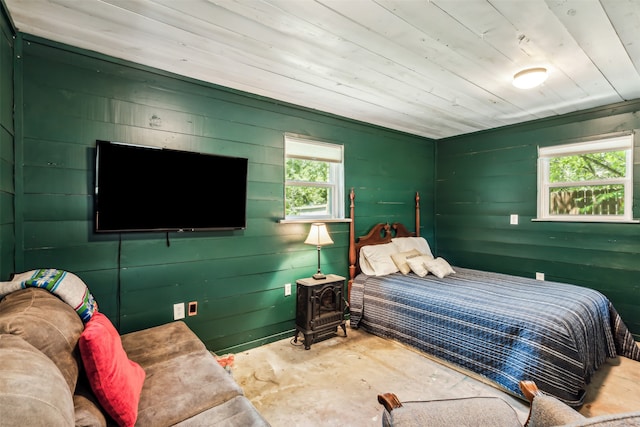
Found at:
[319, 276]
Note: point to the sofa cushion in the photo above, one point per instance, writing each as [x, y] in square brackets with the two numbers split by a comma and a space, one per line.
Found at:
[47, 323]
[33, 391]
[175, 359]
[88, 411]
[115, 380]
[237, 412]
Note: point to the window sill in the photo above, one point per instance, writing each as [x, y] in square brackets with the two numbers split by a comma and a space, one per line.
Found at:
[310, 220]
[601, 221]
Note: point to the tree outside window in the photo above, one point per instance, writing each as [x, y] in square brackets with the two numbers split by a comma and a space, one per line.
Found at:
[586, 181]
[313, 179]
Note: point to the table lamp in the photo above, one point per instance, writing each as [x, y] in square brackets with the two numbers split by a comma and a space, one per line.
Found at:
[318, 236]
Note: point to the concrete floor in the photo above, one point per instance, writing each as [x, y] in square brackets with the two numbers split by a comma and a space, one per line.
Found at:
[614, 388]
[336, 381]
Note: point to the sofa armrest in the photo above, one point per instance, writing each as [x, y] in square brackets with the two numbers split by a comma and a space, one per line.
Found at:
[547, 411]
[390, 401]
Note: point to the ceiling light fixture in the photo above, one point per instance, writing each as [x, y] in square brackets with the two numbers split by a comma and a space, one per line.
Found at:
[530, 78]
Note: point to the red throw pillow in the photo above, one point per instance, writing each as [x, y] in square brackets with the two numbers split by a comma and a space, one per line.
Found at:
[115, 380]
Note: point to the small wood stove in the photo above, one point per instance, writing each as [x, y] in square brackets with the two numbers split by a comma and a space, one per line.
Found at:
[320, 308]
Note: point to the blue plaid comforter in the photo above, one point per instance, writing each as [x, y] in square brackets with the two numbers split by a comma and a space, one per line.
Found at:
[501, 327]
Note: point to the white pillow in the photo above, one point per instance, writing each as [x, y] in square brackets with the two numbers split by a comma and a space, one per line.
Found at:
[439, 267]
[379, 258]
[420, 244]
[400, 259]
[365, 267]
[417, 264]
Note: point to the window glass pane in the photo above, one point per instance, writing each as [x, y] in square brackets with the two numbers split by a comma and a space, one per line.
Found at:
[306, 170]
[587, 181]
[307, 201]
[587, 200]
[314, 178]
[589, 166]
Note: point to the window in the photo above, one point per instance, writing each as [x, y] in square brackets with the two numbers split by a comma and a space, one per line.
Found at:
[587, 181]
[314, 179]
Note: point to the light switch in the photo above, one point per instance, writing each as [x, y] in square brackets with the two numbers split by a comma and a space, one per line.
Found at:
[178, 311]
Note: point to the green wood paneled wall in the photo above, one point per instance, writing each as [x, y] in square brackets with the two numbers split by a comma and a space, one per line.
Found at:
[483, 178]
[7, 189]
[73, 97]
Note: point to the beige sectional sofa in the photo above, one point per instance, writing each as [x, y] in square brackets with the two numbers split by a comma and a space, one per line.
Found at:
[43, 381]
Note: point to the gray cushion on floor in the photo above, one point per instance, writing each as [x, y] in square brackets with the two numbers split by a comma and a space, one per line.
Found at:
[473, 411]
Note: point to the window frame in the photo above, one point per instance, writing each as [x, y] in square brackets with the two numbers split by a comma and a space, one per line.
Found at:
[335, 159]
[611, 143]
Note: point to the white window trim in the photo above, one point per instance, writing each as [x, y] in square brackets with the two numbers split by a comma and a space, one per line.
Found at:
[624, 142]
[335, 157]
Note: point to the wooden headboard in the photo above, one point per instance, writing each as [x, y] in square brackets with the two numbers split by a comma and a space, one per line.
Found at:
[379, 234]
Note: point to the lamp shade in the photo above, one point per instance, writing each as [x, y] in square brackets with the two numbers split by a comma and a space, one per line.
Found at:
[318, 235]
[530, 78]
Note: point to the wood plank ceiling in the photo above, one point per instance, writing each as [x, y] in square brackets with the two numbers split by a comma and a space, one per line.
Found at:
[435, 68]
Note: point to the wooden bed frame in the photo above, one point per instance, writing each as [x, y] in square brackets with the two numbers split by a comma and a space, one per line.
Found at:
[379, 234]
[560, 358]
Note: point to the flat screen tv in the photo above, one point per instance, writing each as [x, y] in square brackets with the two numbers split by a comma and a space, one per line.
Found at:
[141, 188]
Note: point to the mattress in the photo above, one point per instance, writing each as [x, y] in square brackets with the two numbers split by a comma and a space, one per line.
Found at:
[504, 328]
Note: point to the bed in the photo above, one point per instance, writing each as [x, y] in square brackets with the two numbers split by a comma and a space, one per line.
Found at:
[497, 327]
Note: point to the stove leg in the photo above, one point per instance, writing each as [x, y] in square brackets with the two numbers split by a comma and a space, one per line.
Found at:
[307, 341]
[344, 329]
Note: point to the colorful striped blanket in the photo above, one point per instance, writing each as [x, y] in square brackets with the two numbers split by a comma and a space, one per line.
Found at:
[67, 286]
[503, 328]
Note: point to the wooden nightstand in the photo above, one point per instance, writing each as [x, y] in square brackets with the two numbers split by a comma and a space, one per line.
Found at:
[320, 307]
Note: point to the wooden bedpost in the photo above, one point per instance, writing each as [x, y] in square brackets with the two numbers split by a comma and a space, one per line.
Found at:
[417, 214]
[352, 245]
[352, 236]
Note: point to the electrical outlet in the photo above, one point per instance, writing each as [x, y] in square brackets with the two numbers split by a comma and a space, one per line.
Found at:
[539, 276]
[178, 311]
[287, 289]
[193, 308]
[514, 219]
